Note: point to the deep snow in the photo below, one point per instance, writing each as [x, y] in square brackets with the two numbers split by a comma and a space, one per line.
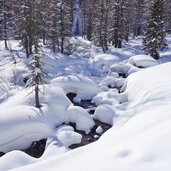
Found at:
[137, 107]
[141, 143]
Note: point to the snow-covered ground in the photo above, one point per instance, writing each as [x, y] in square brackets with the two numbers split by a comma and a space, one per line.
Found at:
[138, 108]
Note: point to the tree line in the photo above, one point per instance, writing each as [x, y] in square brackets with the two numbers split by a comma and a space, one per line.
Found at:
[105, 22]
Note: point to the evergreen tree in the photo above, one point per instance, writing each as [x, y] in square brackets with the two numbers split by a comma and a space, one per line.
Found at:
[27, 23]
[36, 75]
[89, 14]
[137, 13]
[1, 18]
[4, 21]
[168, 15]
[59, 24]
[101, 24]
[154, 37]
[119, 23]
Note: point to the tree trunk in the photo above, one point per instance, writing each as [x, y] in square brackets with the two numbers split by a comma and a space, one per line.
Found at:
[37, 96]
[5, 24]
[62, 44]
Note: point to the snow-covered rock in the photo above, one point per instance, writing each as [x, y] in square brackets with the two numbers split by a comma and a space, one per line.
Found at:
[81, 118]
[69, 137]
[111, 97]
[121, 68]
[144, 61]
[99, 130]
[104, 113]
[110, 80]
[104, 61]
[85, 88]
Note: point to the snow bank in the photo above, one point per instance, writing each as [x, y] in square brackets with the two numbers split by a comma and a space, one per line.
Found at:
[19, 113]
[15, 159]
[144, 61]
[18, 158]
[84, 87]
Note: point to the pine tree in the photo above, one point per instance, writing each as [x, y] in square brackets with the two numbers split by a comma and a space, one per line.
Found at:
[101, 24]
[1, 18]
[27, 23]
[168, 15]
[89, 14]
[154, 37]
[137, 16]
[59, 24]
[36, 76]
[4, 21]
[118, 28]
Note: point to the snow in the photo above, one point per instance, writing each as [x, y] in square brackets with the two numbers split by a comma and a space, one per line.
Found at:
[104, 113]
[141, 143]
[144, 61]
[81, 118]
[106, 98]
[120, 68]
[140, 116]
[69, 138]
[104, 61]
[40, 123]
[85, 88]
[99, 130]
[111, 97]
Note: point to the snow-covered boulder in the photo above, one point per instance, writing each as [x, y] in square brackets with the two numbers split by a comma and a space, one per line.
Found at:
[104, 61]
[84, 87]
[110, 97]
[81, 118]
[104, 113]
[143, 61]
[110, 80]
[66, 135]
[69, 138]
[121, 68]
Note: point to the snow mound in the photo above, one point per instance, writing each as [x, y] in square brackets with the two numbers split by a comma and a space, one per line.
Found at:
[143, 61]
[15, 159]
[120, 68]
[99, 130]
[104, 61]
[104, 113]
[18, 113]
[110, 97]
[65, 128]
[69, 138]
[84, 87]
[110, 80]
[81, 118]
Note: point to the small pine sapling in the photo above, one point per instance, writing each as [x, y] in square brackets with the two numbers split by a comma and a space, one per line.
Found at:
[35, 77]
